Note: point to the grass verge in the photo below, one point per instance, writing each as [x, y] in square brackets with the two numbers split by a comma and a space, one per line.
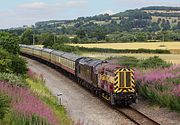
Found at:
[48, 98]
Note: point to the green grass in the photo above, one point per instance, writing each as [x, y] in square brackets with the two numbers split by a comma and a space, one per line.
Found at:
[162, 97]
[48, 98]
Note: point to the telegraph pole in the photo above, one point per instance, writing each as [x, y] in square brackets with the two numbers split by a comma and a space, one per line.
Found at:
[33, 40]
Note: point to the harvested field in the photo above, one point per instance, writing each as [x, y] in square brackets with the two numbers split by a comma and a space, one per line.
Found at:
[173, 58]
[174, 47]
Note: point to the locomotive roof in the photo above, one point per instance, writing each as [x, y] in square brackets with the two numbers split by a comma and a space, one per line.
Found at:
[71, 56]
[90, 61]
[58, 53]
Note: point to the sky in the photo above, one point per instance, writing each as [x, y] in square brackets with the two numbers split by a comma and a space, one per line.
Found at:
[16, 13]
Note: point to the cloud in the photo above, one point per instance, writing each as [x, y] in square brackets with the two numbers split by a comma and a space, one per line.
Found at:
[31, 12]
[110, 12]
[76, 3]
[148, 3]
[33, 5]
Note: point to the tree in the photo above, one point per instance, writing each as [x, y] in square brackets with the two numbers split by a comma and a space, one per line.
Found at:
[154, 27]
[10, 63]
[47, 39]
[165, 25]
[141, 36]
[62, 39]
[9, 42]
[27, 37]
[178, 26]
[81, 33]
[75, 40]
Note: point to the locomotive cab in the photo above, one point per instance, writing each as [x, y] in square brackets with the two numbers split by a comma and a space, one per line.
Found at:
[124, 86]
[118, 84]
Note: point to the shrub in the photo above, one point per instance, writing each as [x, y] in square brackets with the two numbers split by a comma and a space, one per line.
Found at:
[160, 86]
[13, 79]
[11, 63]
[65, 48]
[108, 50]
[153, 62]
[9, 42]
[125, 61]
[18, 65]
[5, 61]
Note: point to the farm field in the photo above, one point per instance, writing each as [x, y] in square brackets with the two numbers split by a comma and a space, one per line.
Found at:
[172, 46]
[173, 58]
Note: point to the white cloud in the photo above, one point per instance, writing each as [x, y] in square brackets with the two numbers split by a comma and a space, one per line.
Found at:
[29, 13]
[110, 12]
[148, 2]
[76, 3]
[33, 5]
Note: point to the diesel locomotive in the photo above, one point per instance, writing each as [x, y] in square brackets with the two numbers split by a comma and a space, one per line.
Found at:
[112, 82]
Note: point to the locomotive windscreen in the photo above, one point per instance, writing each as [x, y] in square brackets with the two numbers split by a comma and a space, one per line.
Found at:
[121, 79]
[128, 79]
[125, 79]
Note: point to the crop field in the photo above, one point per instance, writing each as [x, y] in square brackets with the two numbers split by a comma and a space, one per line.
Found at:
[172, 58]
[174, 47]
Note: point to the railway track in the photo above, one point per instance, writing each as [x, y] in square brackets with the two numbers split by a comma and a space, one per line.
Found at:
[136, 116]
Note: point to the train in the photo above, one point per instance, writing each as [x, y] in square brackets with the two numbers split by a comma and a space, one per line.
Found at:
[112, 82]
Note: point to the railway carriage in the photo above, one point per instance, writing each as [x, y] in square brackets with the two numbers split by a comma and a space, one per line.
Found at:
[56, 57]
[112, 82]
[46, 54]
[68, 62]
[25, 49]
[37, 52]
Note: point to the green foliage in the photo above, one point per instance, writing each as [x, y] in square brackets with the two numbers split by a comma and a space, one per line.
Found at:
[5, 61]
[125, 61]
[141, 36]
[24, 120]
[65, 48]
[9, 42]
[81, 33]
[153, 62]
[47, 39]
[174, 80]
[13, 79]
[107, 50]
[27, 37]
[162, 98]
[18, 65]
[12, 63]
[161, 8]
[4, 105]
[50, 100]
[62, 39]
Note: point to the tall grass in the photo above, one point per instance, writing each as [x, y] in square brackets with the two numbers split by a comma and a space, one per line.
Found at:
[161, 86]
[37, 85]
[26, 106]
